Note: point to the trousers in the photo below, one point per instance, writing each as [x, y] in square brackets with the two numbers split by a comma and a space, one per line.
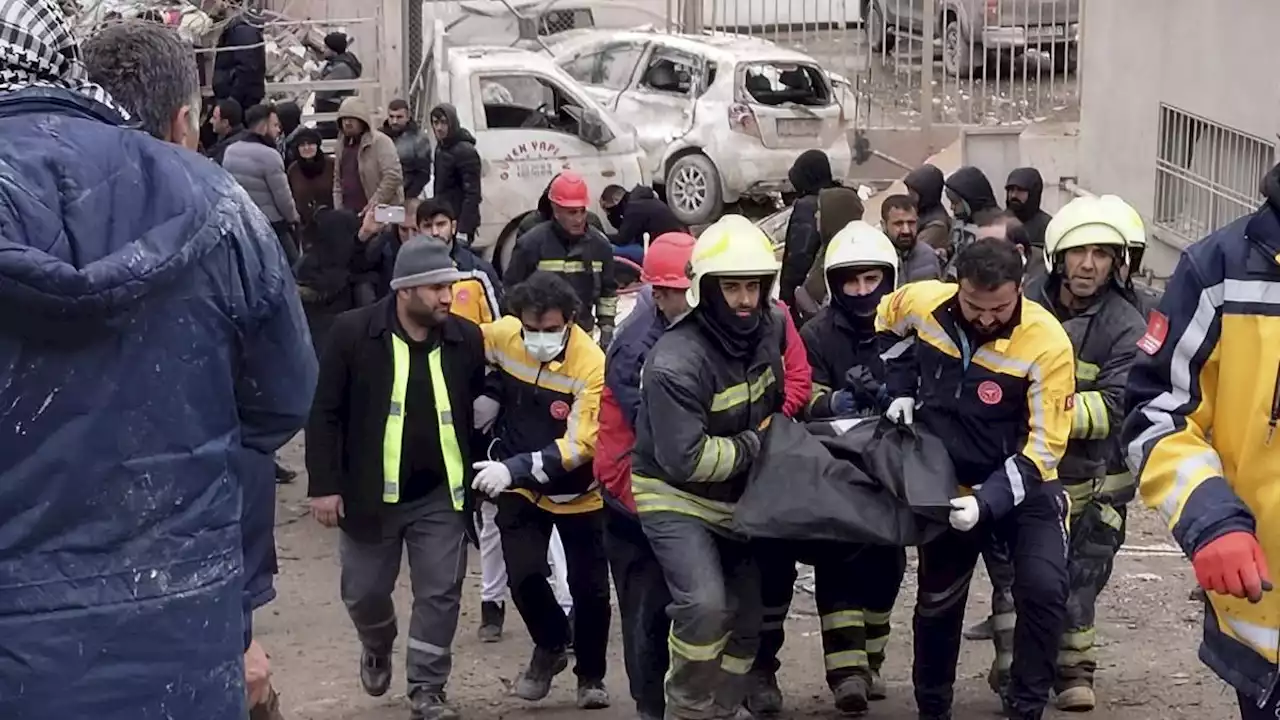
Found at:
[856, 587]
[1097, 532]
[1249, 709]
[995, 555]
[493, 568]
[526, 534]
[434, 535]
[642, 606]
[715, 614]
[1036, 535]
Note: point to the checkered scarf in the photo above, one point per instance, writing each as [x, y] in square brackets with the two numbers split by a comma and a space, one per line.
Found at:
[37, 49]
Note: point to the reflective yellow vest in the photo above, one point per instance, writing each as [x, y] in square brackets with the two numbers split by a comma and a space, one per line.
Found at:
[393, 436]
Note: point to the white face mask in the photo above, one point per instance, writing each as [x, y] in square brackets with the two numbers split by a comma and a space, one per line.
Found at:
[544, 346]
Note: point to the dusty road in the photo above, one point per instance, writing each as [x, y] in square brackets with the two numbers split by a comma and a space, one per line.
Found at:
[1147, 625]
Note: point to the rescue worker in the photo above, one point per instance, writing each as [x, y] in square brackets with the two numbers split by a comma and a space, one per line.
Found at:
[710, 386]
[388, 451]
[1199, 437]
[970, 194]
[900, 219]
[542, 213]
[926, 183]
[1142, 295]
[634, 214]
[477, 296]
[993, 373]
[569, 247]
[547, 378]
[1084, 248]
[1023, 192]
[856, 585]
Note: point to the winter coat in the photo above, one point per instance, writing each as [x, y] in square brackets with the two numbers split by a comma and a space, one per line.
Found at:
[326, 269]
[155, 357]
[920, 263]
[241, 75]
[835, 346]
[643, 213]
[219, 149]
[542, 213]
[414, 149]
[258, 167]
[806, 245]
[1034, 220]
[586, 262]
[311, 192]
[339, 67]
[380, 173]
[974, 188]
[934, 223]
[457, 173]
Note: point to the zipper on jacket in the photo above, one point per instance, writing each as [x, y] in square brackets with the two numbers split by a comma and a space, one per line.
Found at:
[966, 356]
[1275, 407]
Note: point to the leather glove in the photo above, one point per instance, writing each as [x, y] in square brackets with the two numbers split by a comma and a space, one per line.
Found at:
[842, 402]
[492, 477]
[965, 512]
[901, 410]
[1233, 565]
[485, 413]
[606, 336]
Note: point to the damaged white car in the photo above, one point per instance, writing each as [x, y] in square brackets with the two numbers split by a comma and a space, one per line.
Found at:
[718, 116]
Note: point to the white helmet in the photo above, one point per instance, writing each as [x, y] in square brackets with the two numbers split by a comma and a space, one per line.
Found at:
[1088, 221]
[1135, 232]
[860, 244]
[731, 247]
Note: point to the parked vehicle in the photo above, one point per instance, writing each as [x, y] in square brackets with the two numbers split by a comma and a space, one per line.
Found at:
[718, 116]
[531, 121]
[526, 23]
[972, 31]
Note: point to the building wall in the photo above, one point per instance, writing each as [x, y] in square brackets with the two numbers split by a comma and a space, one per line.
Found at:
[1207, 58]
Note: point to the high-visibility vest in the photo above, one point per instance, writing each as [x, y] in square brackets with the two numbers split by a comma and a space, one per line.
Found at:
[393, 436]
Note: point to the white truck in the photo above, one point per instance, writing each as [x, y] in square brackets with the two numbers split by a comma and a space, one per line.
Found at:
[531, 121]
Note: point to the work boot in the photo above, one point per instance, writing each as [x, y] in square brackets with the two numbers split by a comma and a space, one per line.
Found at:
[878, 689]
[431, 706]
[984, 630]
[997, 680]
[492, 616]
[592, 695]
[284, 475]
[851, 695]
[535, 681]
[375, 672]
[1014, 714]
[764, 697]
[1078, 698]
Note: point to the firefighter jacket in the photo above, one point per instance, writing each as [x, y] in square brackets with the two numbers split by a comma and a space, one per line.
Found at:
[1200, 433]
[1105, 339]
[696, 434]
[546, 431]
[585, 262]
[1003, 403]
[835, 347]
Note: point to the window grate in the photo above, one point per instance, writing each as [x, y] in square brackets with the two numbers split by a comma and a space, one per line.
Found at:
[1207, 174]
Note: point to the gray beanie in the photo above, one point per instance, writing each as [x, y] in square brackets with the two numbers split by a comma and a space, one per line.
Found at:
[423, 260]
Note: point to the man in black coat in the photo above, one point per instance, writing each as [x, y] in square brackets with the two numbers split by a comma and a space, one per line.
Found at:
[457, 169]
[634, 214]
[413, 147]
[1023, 191]
[240, 63]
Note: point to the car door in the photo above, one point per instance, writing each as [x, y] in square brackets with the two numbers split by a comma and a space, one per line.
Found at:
[661, 99]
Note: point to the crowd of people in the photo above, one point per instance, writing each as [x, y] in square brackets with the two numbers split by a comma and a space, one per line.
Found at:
[174, 319]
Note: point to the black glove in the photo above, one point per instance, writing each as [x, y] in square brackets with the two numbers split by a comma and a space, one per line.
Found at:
[864, 387]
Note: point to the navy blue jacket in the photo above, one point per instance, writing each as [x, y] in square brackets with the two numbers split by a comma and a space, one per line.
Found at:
[153, 356]
[632, 342]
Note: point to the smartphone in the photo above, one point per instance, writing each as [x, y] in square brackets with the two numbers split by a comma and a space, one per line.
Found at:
[393, 214]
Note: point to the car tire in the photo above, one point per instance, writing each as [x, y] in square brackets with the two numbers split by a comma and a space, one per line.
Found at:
[877, 29]
[958, 55]
[693, 190]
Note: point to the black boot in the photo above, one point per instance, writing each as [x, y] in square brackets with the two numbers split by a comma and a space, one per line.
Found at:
[284, 475]
[492, 616]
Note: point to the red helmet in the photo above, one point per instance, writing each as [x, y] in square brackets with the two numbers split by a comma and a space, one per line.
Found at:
[568, 190]
[666, 259]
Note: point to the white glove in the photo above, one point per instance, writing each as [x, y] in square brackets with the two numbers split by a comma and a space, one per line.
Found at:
[485, 412]
[964, 513]
[902, 410]
[492, 477]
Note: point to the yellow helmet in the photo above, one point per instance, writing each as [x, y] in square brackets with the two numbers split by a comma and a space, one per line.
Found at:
[1135, 232]
[731, 247]
[860, 244]
[1088, 221]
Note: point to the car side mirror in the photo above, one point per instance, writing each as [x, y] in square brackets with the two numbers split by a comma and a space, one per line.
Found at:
[593, 129]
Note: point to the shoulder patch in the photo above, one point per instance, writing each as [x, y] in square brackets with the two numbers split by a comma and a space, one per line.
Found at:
[1157, 330]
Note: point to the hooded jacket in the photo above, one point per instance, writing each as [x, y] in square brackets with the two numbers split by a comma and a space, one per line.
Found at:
[457, 167]
[155, 357]
[836, 207]
[380, 173]
[414, 149]
[934, 223]
[1035, 220]
[344, 66]
[973, 187]
[1200, 422]
[240, 73]
[643, 213]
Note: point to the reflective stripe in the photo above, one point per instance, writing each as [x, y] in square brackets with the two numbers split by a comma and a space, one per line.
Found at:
[742, 393]
[1265, 639]
[1087, 372]
[876, 645]
[543, 377]
[1017, 485]
[1090, 420]
[653, 496]
[696, 653]
[607, 306]
[898, 349]
[538, 472]
[570, 266]
[818, 391]
[844, 659]
[393, 435]
[735, 665]
[1074, 658]
[876, 618]
[715, 460]
[1004, 622]
[842, 619]
[428, 648]
[1081, 639]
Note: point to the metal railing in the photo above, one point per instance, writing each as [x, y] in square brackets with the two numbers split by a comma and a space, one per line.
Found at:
[918, 63]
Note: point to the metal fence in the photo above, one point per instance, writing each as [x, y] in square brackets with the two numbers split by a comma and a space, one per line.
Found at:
[917, 63]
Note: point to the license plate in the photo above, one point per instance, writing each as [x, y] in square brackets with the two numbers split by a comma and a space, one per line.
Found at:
[799, 127]
[1049, 32]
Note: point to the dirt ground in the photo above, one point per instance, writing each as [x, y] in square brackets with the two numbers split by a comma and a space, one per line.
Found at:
[1148, 628]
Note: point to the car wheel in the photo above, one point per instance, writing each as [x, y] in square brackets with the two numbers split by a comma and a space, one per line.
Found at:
[693, 190]
[878, 35]
[957, 53]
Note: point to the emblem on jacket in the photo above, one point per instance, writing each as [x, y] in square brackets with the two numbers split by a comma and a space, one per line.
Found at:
[1157, 330]
[559, 409]
[989, 392]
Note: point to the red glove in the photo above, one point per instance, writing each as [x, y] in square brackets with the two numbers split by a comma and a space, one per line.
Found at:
[1233, 565]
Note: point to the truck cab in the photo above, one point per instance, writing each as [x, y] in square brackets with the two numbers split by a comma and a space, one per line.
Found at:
[531, 121]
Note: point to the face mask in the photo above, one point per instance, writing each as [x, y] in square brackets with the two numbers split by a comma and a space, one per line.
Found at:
[544, 346]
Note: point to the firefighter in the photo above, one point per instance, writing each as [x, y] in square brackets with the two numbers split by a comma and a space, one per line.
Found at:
[1200, 437]
[1084, 249]
[570, 247]
[709, 387]
[856, 585]
[1143, 296]
[994, 375]
[547, 379]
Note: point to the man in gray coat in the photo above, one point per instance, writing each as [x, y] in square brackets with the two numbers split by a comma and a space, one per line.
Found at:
[256, 164]
[899, 218]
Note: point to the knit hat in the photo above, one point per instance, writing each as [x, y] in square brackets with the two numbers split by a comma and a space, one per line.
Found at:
[423, 260]
[336, 42]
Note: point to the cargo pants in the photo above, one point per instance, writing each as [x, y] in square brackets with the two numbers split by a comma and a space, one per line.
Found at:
[715, 614]
[1097, 532]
